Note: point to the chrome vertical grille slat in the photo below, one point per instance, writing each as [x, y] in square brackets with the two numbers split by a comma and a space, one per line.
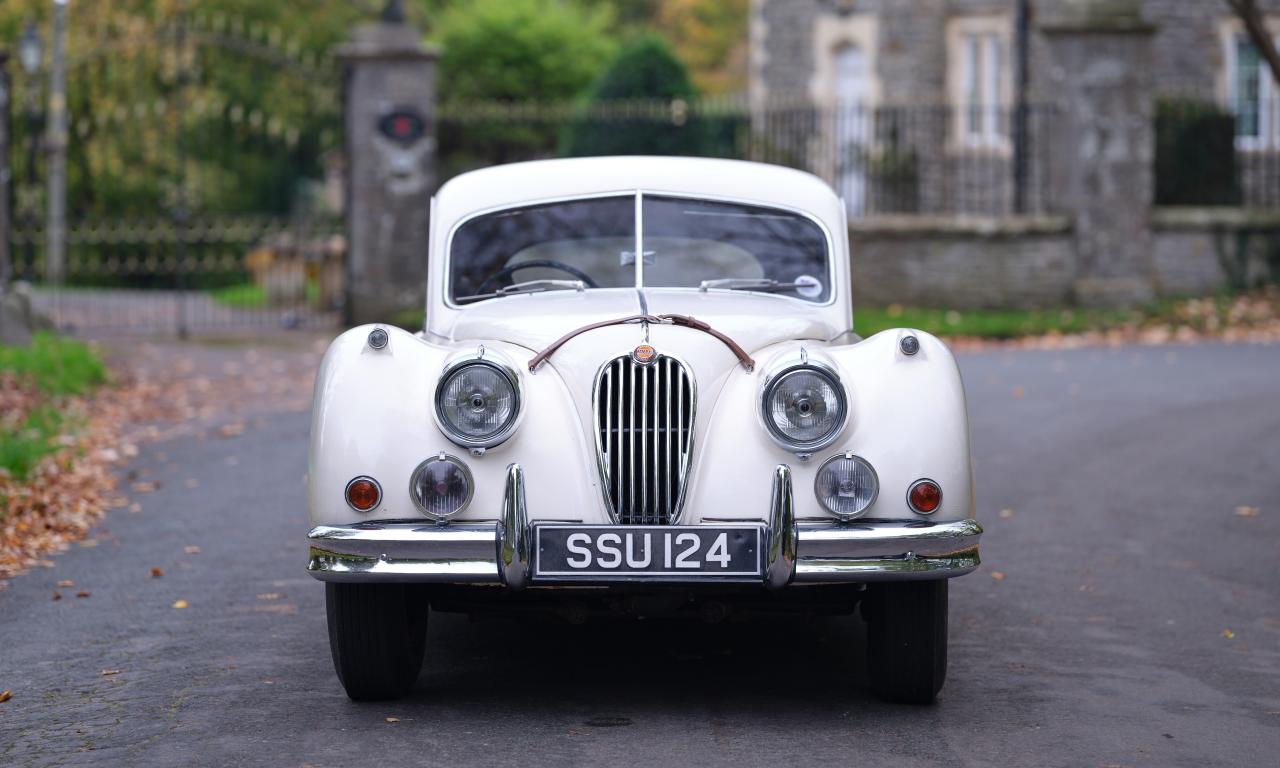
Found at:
[644, 421]
[617, 483]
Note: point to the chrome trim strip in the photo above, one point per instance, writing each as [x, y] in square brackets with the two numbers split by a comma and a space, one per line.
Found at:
[780, 556]
[878, 550]
[644, 442]
[513, 532]
[810, 553]
[461, 553]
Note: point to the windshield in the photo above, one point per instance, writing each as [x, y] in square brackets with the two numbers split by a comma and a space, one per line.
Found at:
[687, 243]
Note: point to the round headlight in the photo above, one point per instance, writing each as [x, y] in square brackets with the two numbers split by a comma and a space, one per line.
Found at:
[804, 408]
[477, 403]
[846, 485]
[441, 486]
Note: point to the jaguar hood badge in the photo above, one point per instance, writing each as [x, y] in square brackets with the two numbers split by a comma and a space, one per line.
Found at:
[644, 354]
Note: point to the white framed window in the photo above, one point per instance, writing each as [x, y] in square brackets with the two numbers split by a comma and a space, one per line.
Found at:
[1252, 94]
[980, 80]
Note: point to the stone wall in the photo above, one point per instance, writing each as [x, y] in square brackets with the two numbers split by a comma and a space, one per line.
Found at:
[1203, 250]
[1031, 263]
[971, 263]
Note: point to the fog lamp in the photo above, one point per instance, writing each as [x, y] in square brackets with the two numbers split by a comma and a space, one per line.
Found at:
[846, 486]
[441, 486]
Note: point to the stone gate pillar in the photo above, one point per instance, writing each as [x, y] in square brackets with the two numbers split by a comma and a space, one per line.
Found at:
[388, 105]
[1099, 58]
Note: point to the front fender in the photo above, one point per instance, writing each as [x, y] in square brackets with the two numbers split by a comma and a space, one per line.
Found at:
[372, 414]
[907, 417]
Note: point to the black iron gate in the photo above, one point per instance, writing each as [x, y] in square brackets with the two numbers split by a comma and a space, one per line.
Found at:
[202, 185]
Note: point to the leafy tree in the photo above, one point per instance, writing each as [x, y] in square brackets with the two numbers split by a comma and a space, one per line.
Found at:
[521, 50]
[710, 37]
[648, 73]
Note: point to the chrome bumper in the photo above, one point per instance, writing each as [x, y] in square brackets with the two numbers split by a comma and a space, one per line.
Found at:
[498, 552]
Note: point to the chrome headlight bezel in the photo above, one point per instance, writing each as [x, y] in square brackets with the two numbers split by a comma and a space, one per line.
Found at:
[487, 358]
[777, 376]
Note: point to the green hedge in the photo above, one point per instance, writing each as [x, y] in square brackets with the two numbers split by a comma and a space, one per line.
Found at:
[1195, 161]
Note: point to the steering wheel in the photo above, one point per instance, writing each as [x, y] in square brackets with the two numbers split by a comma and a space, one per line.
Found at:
[506, 272]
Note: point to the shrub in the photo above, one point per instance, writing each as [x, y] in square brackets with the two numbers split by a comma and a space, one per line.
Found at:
[1195, 160]
[648, 74]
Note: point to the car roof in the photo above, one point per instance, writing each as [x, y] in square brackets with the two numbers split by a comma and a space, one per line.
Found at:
[501, 186]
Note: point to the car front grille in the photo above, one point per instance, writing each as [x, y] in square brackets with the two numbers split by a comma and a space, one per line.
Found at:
[644, 431]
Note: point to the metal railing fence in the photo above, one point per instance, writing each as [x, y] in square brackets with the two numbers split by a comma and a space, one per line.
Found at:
[907, 159]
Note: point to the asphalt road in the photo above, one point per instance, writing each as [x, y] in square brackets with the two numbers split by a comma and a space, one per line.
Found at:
[1136, 622]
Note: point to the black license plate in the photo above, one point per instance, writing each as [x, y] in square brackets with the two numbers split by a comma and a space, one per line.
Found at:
[660, 552]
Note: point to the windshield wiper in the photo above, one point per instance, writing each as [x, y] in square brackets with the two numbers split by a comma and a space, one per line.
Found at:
[529, 286]
[765, 284]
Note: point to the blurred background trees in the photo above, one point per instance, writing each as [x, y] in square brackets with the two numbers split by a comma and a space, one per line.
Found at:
[253, 93]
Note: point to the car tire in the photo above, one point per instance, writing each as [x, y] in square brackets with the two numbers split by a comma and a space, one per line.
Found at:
[378, 634]
[906, 640]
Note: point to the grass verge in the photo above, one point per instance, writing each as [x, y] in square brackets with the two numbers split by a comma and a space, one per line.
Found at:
[34, 381]
[254, 295]
[1220, 315]
[989, 323]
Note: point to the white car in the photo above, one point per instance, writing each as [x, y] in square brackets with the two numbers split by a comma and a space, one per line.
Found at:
[638, 389]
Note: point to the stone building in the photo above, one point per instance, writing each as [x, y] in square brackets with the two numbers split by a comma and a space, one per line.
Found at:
[1013, 142]
[965, 53]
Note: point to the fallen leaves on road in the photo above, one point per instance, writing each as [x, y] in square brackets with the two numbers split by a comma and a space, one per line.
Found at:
[110, 672]
[180, 604]
[1006, 513]
[1228, 634]
[57, 596]
[270, 596]
[393, 719]
[1247, 511]
[64, 583]
[191, 549]
[84, 593]
[5, 696]
[156, 573]
[997, 575]
[161, 391]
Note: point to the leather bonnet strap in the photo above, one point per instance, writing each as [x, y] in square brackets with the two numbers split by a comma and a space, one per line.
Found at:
[681, 320]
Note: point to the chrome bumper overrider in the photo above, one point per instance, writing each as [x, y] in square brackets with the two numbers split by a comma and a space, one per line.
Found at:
[498, 552]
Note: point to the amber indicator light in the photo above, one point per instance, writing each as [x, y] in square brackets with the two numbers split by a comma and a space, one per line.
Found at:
[925, 496]
[363, 494]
